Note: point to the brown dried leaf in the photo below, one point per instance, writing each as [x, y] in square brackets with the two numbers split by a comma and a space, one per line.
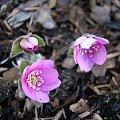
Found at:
[55, 103]
[101, 14]
[52, 4]
[80, 106]
[32, 3]
[117, 79]
[100, 70]
[23, 12]
[84, 114]
[68, 63]
[43, 17]
[96, 117]
[116, 2]
[10, 75]
[77, 17]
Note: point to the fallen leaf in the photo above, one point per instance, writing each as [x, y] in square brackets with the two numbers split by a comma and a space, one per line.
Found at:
[116, 2]
[96, 117]
[10, 75]
[100, 70]
[117, 78]
[43, 17]
[55, 103]
[84, 114]
[68, 63]
[18, 19]
[52, 4]
[23, 12]
[77, 17]
[80, 106]
[100, 14]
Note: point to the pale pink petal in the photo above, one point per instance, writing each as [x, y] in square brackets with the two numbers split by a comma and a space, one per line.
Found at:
[88, 43]
[33, 41]
[24, 43]
[26, 89]
[50, 87]
[30, 45]
[41, 64]
[80, 40]
[49, 75]
[99, 57]
[41, 97]
[84, 62]
[75, 54]
[103, 41]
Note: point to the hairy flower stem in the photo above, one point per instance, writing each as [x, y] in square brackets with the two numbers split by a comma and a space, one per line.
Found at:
[36, 113]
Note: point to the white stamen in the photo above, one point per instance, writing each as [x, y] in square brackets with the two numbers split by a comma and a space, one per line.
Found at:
[90, 55]
[40, 72]
[85, 51]
[37, 88]
[90, 51]
[39, 84]
[82, 53]
[97, 46]
[37, 72]
[78, 47]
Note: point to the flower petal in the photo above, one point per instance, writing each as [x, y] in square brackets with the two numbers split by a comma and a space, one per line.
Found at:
[49, 75]
[30, 45]
[80, 40]
[88, 43]
[75, 54]
[99, 57]
[50, 87]
[103, 41]
[84, 62]
[33, 41]
[26, 89]
[41, 64]
[41, 96]
[24, 44]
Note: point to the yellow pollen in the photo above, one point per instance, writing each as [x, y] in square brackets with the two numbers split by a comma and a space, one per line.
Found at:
[34, 80]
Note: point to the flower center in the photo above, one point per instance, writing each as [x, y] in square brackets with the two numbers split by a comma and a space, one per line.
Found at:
[89, 51]
[34, 80]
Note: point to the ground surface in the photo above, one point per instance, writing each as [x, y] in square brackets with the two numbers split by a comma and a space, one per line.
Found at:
[97, 93]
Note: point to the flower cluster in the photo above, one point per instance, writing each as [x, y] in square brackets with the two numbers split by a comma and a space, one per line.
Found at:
[40, 77]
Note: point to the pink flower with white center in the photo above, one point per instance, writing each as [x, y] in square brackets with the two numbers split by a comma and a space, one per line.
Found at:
[38, 79]
[89, 49]
[29, 44]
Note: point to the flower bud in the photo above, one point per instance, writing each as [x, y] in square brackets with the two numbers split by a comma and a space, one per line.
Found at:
[29, 44]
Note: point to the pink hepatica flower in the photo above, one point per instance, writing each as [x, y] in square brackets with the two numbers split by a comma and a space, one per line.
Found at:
[89, 49]
[38, 79]
[29, 44]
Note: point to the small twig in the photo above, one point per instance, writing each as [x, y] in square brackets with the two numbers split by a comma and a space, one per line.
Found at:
[7, 25]
[6, 42]
[36, 113]
[114, 81]
[48, 118]
[10, 57]
[112, 55]
[103, 86]
[58, 115]
[31, 8]
[64, 113]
